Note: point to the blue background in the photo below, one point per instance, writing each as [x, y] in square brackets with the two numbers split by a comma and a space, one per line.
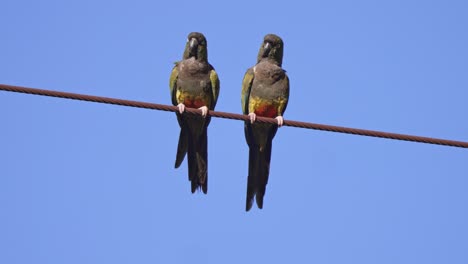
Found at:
[90, 183]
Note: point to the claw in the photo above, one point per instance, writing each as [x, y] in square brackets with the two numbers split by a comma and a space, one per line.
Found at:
[204, 110]
[253, 117]
[181, 108]
[280, 120]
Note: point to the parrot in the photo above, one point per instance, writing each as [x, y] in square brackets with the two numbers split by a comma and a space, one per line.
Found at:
[265, 92]
[194, 83]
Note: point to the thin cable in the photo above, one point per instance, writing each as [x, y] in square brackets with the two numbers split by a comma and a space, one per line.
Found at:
[346, 130]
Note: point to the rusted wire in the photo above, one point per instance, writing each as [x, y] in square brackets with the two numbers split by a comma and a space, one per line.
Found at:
[346, 130]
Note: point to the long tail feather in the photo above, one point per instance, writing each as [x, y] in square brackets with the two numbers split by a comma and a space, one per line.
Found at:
[263, 173]
[202, 160]
[197, 153]
[192, 164]
[252, 177]
[181, 147]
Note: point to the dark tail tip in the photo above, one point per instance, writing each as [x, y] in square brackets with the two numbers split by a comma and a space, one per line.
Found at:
[248, 204]
[259, 200]
[194, 186]
[179, 158]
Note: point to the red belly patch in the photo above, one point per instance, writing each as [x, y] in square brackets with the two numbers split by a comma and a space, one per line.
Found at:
[266, 111]
[194, 102]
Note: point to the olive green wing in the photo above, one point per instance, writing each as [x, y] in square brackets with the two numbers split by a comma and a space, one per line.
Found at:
[284, 98]
[246, 87]
[182, 146]
[214, 88]
[173, 84]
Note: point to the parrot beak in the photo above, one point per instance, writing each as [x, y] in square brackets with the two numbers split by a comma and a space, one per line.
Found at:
[193, 43]
[193, 47]
[266, 49]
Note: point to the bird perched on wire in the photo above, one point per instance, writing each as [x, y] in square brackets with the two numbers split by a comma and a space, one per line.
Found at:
[265, 92]
[194, 83]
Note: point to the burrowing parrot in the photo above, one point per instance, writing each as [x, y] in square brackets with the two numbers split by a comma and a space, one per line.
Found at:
[265, 92]
[194, 83]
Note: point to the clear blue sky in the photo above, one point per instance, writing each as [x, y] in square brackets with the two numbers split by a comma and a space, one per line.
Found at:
[90, 183]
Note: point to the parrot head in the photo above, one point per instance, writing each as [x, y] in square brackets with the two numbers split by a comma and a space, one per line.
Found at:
[272, 49]
[196, 47]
